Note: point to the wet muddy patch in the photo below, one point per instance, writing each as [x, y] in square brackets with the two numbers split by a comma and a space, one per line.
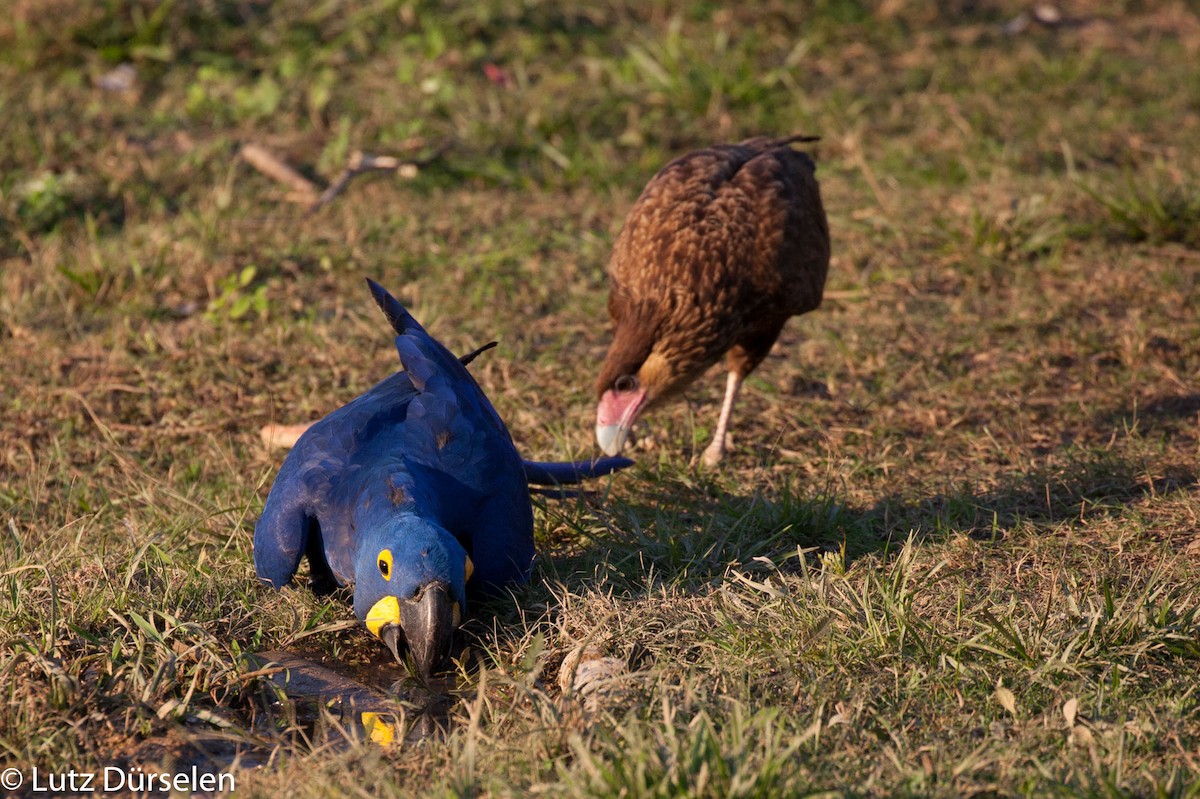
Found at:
[322, 701]
[298, 704]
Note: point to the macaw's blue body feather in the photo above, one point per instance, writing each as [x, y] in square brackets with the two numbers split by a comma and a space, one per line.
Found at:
[415, 483]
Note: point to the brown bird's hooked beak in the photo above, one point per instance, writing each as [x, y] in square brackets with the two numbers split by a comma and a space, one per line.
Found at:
[615, 416]
[427, 623]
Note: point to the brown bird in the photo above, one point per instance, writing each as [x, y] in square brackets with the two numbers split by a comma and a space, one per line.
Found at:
[723, 246]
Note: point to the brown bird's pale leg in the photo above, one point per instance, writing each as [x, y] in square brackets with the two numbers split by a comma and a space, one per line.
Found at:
[715, 451]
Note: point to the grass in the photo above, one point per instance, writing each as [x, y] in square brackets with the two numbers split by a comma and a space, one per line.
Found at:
[955, 551]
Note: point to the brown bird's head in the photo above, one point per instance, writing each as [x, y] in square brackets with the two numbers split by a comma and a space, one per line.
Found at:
[622, 399]
[641, 370]
[625, 386]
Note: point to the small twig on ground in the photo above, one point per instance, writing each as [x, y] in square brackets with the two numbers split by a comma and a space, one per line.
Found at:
[302, 189]
[361, 162]
[282, 436]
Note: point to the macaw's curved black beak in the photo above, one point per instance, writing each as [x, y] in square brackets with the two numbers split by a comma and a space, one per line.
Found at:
[428, 621]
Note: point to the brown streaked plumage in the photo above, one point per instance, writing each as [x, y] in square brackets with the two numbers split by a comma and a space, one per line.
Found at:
[723, 246]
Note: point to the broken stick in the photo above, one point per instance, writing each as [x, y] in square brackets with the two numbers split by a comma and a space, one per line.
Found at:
[361, 162]
[265, 161]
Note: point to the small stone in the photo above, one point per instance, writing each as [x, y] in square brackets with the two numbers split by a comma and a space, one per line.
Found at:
[120, 78]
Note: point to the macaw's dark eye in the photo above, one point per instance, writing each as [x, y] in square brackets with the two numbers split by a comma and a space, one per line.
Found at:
[626, 383]
[385, 564]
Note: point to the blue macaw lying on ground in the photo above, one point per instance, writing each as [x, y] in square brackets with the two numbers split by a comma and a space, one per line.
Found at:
[412, 493]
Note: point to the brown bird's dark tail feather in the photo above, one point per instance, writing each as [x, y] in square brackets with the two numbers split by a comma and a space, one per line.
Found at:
[799, 137]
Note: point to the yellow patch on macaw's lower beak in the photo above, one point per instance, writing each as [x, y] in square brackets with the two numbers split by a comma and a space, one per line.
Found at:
[384, 612]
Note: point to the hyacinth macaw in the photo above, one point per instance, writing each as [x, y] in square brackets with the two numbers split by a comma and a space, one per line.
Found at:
[412, 493]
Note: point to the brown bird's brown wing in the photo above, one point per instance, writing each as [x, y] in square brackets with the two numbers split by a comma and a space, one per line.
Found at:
[790, 258]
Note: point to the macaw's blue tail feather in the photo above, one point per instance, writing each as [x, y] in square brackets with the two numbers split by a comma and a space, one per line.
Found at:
[571, 472]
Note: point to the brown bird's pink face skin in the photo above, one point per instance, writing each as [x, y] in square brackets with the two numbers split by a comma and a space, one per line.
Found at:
[617, 411]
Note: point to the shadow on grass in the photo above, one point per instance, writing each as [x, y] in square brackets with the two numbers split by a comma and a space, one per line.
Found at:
[688, 541]
[1169, 414]
[1083, 489]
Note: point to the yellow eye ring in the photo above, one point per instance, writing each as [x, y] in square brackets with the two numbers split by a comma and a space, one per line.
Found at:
[469, 568]
[385, 563]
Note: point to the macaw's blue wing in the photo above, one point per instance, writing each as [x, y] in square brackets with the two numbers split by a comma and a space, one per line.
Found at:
[425, 360]
[459, 450]
[310, 510]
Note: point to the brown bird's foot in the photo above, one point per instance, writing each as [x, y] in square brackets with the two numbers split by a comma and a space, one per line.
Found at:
[714, 453]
